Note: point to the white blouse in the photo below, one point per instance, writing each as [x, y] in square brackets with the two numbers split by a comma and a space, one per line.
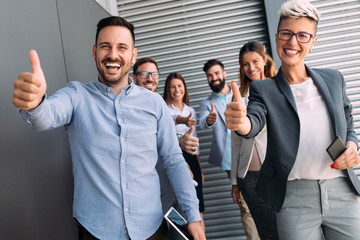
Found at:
[312, 161]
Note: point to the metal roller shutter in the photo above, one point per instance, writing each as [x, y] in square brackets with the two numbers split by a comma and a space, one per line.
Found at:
[182, 36]
[338, 46]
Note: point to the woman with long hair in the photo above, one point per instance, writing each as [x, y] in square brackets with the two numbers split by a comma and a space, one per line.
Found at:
[177, 98]
[249, 154]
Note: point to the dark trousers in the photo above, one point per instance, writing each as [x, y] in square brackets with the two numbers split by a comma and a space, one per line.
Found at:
[161, 234]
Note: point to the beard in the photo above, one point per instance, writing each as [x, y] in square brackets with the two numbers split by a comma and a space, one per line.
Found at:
[110, 80]
[218, 87]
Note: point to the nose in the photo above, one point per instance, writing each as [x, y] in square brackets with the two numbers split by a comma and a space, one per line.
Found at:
[252, 67]
[150, 77]
[112, 53]
[293, 39]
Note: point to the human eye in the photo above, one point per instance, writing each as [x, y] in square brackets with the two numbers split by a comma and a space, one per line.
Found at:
[104, 46]
[303, 36]
[286, 33]
[155, 75]
[144, 74]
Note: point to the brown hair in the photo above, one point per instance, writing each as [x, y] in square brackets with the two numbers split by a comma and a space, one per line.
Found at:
[269, 69]
[166, 94]
[141, 61]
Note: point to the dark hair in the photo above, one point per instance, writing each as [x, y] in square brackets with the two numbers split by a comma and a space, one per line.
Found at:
[211, 63]
[166, 94]
[269, 69]
[141, 61]
[114, 21]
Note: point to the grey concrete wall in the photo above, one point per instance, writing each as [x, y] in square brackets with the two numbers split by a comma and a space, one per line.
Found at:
[36, 183]
[272, 8]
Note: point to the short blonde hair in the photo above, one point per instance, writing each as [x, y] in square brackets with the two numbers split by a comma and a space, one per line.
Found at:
[298, 9]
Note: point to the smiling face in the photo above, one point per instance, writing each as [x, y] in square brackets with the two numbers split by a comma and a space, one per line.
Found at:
[253, 65]
[291, 52]
[216, 78]
[177, 90]
[149, 82]
[114, 53]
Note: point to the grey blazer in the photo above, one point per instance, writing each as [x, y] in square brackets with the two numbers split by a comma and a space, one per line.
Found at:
[219, 136]
[271, 101]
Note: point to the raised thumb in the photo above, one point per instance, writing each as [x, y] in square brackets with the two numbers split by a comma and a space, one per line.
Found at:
[190, 131]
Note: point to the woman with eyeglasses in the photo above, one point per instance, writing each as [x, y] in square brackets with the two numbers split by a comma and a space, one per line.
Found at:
[304, 109]
[248, 154]
[177, 97]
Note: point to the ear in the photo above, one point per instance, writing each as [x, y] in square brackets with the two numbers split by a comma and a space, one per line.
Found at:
[134, 53]
[133, 77]
[224, 73]
[93, 51]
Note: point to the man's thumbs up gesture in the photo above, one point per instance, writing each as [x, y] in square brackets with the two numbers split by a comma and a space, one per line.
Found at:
[30, 88]
[211, 119]
[235, 113]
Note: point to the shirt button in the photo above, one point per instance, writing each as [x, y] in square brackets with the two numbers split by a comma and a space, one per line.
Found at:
[124, 186]
[122, 161]
[126, 209]
[108, 89]
[122, 139]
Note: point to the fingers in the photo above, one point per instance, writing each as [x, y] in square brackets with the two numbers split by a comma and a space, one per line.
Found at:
[190, 131]
[262, 75]
[348, 159]
[30, 88]
[35, 62]
[235, 91]
[212, 107]
[189, 143]
[190, 115]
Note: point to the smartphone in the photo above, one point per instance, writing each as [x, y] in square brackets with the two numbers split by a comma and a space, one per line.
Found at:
[336, 148]
[178, 223]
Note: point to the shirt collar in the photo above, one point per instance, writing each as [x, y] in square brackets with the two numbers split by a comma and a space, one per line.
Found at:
[106, 89]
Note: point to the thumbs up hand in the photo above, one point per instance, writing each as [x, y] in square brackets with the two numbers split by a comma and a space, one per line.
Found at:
[235, 113]
[189, 143]
[30, 88]
[189, 121]
[211, 119]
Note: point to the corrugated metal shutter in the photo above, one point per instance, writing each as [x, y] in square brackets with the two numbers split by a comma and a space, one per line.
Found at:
[338, 46]
[182, 36]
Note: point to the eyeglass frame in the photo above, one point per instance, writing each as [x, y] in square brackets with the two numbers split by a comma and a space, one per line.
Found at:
[147, 74]
[292, 34]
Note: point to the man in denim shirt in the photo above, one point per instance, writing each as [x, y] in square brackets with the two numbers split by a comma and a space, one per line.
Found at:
[116, 132]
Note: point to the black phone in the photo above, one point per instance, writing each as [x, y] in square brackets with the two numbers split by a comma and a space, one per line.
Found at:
[336, 148]
[174, 218]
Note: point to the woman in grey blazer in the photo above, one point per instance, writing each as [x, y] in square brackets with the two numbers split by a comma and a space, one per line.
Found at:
[304, 109]
[249, 154]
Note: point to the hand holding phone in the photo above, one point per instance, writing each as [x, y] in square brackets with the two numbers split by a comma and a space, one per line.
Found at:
[336, 148]
[178, 223]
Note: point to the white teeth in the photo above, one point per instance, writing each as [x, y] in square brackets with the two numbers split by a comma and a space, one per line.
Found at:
[112, 65]
[291, 51]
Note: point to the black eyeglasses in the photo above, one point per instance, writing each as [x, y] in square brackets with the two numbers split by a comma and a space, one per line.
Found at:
[143, 74]
[301, 37]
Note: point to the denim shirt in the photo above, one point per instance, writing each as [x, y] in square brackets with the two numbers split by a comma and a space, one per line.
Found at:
[115, 143]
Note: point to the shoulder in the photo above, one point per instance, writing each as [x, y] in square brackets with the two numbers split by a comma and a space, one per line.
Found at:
[268, 83]
[207, 100]
[327, 72]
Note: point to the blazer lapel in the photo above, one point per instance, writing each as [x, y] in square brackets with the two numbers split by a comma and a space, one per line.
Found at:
[324, 90]
[285, 89]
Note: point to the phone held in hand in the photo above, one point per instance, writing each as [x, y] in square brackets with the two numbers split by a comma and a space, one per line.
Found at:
[178, 223]
[336, 148]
